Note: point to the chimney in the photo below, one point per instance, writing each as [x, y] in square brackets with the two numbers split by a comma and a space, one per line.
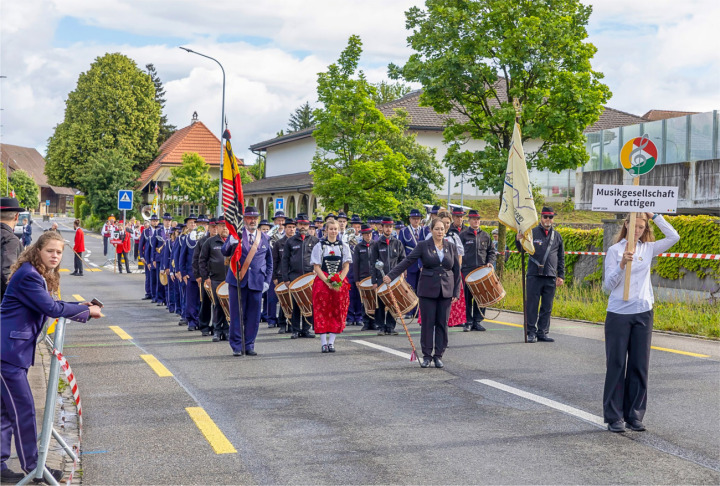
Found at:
[194, 118]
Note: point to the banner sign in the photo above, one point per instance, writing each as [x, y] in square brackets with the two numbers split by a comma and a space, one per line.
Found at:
[638, 199]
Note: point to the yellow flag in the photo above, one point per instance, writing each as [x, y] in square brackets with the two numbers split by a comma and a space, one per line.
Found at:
[517, 210]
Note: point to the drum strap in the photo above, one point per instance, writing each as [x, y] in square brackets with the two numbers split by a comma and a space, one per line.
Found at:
[248, 259]
[547, 253]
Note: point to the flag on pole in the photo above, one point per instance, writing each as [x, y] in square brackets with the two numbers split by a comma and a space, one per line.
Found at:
[232, 197]
[517, 210]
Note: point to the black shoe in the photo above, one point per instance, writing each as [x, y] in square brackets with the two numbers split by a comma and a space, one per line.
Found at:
[331, 348]
[281, 330]
[223, 336]
[381, 332]
[181, 323]
[147, 297]
[324, 348]
[251, 352]
[616, 426]
[478, 327]
[545, 339]
[365, 328]
[216, 337]
[466, 327]
[425, 363]
[531, 339]
[74, 273]
[237, 353]
[393, 332]
[205, 333]
[192, 328]
[635, 425]
[10, 476]
[270, 326]
[438, 362]
[294, 335]
[57, 474]
[373, 327]
[308, 334]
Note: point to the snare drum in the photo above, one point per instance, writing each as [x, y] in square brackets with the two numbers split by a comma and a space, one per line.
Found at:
[208, 289]
[301, 291]
[368, 296]
[283, 294]
[222, 292]
[404, 296]
[485, 286]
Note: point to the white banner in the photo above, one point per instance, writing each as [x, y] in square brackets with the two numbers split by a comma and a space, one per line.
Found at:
[639, 199]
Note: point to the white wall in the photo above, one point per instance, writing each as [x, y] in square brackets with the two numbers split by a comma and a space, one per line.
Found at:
[290, 158]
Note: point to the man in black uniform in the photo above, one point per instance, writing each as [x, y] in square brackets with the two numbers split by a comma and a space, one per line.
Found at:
[213, 269]
[205, 314]
[10, 247]
[479, 251]
[295, 263]
[362, 269]
[277, 252]
[390, 251]
[457, 226]
[546, 270]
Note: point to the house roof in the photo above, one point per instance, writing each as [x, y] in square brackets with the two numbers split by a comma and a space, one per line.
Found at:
[193, 138]
[29, 160]
[654, 115]
[287, 182]
[426, 118]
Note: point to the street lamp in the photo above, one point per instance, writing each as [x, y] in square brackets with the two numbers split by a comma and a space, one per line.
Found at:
[222, 121]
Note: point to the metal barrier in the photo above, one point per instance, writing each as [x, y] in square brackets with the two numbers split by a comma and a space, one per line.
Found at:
[48, 429]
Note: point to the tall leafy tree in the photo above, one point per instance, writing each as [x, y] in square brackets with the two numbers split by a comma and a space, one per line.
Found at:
[166, 129]
[473, 57]
[112, 107]
[192, 183]
[26, 189]
[386, 92]
[354, 166]
[257, 171]
[108, 171]
[4, 187]
[301, 118]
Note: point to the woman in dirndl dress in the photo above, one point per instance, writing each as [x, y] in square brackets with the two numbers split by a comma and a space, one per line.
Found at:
[331, 290]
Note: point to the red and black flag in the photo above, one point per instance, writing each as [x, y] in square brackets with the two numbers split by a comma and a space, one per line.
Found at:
[232, 198]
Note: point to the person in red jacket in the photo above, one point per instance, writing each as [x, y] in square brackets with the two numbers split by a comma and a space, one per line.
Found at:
[78, 248]
[123, 249]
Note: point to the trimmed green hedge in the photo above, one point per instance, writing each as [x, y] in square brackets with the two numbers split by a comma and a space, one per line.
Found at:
[698, 234]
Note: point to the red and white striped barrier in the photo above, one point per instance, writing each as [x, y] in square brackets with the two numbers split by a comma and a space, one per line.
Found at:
[76, 396]
[701, 256]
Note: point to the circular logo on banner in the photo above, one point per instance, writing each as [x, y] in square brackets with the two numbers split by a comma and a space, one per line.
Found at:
[638, 156]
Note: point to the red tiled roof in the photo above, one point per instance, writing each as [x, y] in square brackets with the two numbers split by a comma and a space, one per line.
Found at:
[654, 115]
[29, 160]
[193, 138]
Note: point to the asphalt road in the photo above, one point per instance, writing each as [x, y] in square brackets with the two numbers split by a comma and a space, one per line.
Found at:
[365, 415]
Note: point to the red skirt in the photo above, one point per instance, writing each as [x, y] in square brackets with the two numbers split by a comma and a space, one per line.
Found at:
[330, 306]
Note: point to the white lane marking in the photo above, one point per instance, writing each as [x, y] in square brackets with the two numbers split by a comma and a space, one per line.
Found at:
[381, 348]
[86, 258]
[576, 412]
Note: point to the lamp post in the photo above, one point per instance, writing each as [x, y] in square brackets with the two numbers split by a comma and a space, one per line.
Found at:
[222, 122]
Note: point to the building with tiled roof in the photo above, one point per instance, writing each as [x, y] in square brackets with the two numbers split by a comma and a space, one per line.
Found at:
[654, 115]
[196, 138]
[28, 159]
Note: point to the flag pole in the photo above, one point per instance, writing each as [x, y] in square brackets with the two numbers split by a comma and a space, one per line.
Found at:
[239, 298]
[516, 104]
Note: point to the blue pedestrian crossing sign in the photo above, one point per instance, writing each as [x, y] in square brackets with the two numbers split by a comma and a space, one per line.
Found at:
[125, 200]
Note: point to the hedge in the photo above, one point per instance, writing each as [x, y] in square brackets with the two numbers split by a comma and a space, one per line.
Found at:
[698, 234]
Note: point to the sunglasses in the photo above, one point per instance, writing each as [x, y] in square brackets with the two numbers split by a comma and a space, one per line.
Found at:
[545, 216]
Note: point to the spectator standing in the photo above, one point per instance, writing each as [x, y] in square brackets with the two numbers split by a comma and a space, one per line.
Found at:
[78, 248]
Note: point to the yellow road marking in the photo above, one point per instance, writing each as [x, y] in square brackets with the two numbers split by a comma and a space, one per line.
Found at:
[212, 433]
[78, 297]
[94, 270]
[120, 332]
[156, 365]
[64, 270]
[504, 323]
[686, 353]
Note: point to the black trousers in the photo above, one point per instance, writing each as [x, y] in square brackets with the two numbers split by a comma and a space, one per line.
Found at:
[434, 314]
[120, 257]
[300, 323]
[473, 313]
[136, 250]
[384, 320]
[540, 291]
[105, 244]
[78, 263]
[219, 320]
[627, 351]
[205, 314]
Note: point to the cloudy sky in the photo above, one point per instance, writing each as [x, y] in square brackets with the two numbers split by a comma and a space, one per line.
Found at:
[655, 54]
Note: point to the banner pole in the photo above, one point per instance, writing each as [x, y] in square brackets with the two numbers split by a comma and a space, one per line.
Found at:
[630, 246]
[525, 322]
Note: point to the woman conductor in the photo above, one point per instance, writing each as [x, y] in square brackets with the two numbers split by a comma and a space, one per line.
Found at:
[28, 301]
[438, 287]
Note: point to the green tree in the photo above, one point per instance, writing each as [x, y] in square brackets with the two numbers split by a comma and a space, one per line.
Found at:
[301, 118]
[354, 166]
[476, 56]
[387, 92]
[257, 171]
[107, 172]
[4, 187]
[166, 129]
[191, 182]
[112, 107]
[27, 191]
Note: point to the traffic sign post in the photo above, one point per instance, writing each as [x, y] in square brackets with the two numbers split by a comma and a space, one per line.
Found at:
[279, 204]
[125, 200]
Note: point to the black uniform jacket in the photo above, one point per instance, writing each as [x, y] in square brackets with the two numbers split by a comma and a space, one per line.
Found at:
[277, 252]
[10, 250]
[555, 264]
[361, 260]
[196, 256]
[479, 249]
[437, 278]
[296, 257]
[390, 251]
[211, 260]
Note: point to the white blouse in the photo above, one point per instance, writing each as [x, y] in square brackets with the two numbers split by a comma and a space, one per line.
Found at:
[317, 256]
[641, 296]
[452, 238]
